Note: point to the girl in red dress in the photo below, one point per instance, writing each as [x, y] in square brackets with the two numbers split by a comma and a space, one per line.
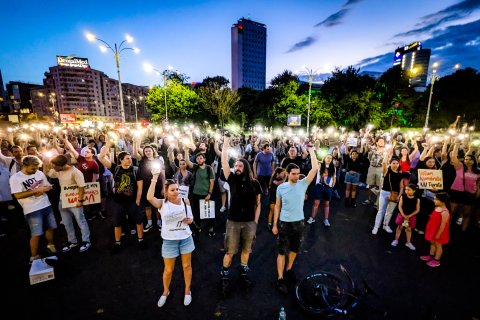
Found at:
[437, 231]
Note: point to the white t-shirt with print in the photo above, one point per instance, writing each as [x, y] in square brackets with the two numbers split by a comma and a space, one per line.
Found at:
[21, 182]
[172, 215]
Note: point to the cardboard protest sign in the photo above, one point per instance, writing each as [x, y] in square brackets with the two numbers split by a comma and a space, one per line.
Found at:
[352, 142]
[69, 195]
[430, 179]
[183, 192]
[207, 209]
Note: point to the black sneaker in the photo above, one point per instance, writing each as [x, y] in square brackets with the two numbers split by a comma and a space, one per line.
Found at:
[211, 232]
[290, 276]
[282, 286]
[245, 280]
[147, 227]
[92, 217]
[347, 202]
[69, 246]
[116, 248]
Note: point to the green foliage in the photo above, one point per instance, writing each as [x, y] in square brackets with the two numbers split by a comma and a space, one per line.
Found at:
[182, 102]
[220, 101]
[288, 101]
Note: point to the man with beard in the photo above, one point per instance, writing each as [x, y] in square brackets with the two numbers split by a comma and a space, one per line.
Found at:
[288, 221]
[13, 164]
[243, 214]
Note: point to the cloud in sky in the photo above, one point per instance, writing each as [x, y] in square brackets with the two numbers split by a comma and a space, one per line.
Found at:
[432, 21]
[302, 44]
[331, 21]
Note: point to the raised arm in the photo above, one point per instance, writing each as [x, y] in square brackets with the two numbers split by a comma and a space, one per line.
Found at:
[456, 163]
[103, 152]
[70, 148]
[313, 171]
[224, 157]
[187, 157]
[157, 203]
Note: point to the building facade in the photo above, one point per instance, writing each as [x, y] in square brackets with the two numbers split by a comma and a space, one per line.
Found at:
[87, 93]
[249, 53]
[415, 60]
[18, 96]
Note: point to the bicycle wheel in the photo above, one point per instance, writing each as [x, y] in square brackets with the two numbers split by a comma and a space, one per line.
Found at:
[322, 293]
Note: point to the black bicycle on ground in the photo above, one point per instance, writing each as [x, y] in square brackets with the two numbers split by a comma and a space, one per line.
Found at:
[325, 294]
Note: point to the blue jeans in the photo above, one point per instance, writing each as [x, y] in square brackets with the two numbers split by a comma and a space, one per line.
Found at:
[67, 217]
[385, 209]
[39, 220]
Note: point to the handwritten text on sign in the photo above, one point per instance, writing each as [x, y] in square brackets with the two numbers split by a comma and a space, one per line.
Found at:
[207, 209]
[69, 194]
[430, 179]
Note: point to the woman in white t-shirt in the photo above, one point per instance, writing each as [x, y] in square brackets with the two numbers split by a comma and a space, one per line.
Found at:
[176, 215]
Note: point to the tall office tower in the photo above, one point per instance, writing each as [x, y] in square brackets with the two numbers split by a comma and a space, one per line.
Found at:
[415, 61]
[249, 51]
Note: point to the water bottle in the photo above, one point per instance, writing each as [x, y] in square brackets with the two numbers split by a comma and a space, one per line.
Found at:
[282, 315]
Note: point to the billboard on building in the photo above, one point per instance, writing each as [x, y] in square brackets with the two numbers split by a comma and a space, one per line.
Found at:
[74, 62]
[294, 120]
[67, 118]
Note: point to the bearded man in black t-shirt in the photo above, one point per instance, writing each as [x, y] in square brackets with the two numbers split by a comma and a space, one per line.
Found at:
[243, 214]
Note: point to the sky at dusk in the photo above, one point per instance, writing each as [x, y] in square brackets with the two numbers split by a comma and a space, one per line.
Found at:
[194, 36]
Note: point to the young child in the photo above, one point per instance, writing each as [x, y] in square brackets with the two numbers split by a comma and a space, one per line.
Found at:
[437, 231]
[408, 207]
[278, 177]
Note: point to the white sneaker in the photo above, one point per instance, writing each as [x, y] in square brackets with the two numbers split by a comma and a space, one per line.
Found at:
[188, 299]
[387, 229]
[410, 246]
[326, 223]
[310, 220]
[459, 221]
[223, 209]
[375, 230]
[394, 243]
[162, 300]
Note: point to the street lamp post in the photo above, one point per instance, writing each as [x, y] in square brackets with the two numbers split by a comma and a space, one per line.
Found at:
[117, 50]
[310, 73]
[434, 74]
[148, 67]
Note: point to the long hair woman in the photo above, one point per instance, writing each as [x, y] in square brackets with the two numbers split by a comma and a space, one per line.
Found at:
[177, 238]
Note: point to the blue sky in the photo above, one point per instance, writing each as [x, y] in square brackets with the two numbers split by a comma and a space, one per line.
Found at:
[194, 36]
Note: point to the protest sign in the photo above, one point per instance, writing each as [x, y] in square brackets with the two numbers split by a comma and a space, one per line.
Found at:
[69, 195]
[430, 179]
[207, 209]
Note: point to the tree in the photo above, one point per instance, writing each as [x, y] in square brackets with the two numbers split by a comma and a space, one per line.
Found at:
[219, 81]
[221, 101]
[182, 102]
[346, 82]
[287, 101]
[284, 78]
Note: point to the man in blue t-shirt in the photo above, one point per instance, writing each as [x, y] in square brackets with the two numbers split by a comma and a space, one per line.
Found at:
[263, 167]
[288, 221]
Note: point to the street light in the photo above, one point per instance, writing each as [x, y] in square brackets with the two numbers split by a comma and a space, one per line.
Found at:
[135, 101]
[149, 68]
[116, 49]
[310, 73]
[434, 77]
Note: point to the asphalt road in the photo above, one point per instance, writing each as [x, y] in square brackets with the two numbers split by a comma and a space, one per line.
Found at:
[98, 285]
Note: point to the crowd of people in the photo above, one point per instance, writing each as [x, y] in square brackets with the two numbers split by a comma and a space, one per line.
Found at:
[164, 178]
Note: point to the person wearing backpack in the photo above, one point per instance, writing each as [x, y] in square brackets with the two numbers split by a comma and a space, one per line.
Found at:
[203, 181]
[127, 192]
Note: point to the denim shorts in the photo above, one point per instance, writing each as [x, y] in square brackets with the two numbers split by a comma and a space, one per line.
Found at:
[174, 248]
[37, 219]
[322, 192]
[352, 178]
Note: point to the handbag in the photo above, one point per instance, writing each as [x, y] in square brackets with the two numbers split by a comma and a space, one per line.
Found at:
[393, 196]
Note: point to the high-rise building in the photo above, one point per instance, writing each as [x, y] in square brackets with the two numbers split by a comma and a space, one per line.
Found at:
[18, 96]
[249, 53]
[415, 61]
[72, 87]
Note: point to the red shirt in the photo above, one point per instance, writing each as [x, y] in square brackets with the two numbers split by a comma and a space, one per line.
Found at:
[87, 167]
[404, 166]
